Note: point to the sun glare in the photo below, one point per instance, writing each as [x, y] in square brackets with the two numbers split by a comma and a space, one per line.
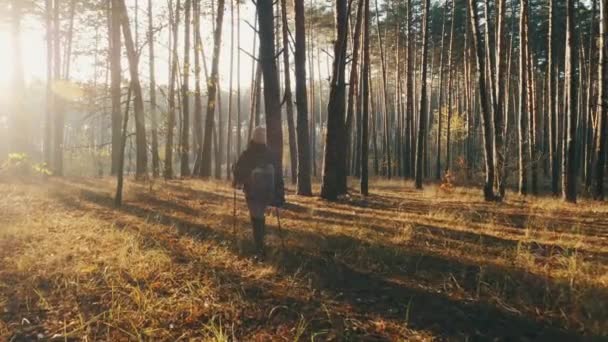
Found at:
[33, 55]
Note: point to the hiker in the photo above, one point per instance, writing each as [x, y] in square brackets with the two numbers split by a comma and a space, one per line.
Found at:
[255, 171]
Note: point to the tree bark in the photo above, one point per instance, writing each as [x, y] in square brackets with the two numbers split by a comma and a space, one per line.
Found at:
[569, 162]
[288, 98]
[212, 85]
[551, 95]
[523, 96]
[602, 104]
[198, 100]
[440, 107]
[171, 96]
[230, 91]
[365, 94]
[140, 124]
[485, 110]
[423, 97]
[121, 162]
[334, 137]
[153, 105]
[272, 100]
[304, 177]
[185, 136]
[499, 96]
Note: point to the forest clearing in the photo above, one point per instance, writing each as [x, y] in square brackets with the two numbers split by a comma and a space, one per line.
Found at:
[398, 265]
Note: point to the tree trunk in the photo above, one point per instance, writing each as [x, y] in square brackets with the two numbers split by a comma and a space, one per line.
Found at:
[198, 101]
[304, 179]
[386, 143]
[171, 99]
[365, 94]
[440, 107]
[523, 95]
[569, 162]
[450, 90]
[589, 145]
[485, 110]
[602, 104]
[238, 79]
[58, 101]
[140, 124]
[352, 89]
[121, 161]
[272, 101]
[230, 91]
[153, 105]
[212, 86]
[185, 136]
[288, 99]
[499, 96]
[334, 137]
[423, 96]
[48, 126]
[409, 95]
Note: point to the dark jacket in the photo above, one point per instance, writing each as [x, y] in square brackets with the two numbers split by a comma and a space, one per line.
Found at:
[254, 156]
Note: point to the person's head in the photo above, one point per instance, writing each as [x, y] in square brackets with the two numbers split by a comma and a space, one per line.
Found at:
[259, 136]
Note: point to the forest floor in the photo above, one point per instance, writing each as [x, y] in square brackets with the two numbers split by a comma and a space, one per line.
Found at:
[399, 265]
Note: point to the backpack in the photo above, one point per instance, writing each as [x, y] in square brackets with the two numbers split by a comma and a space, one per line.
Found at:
[262, 184]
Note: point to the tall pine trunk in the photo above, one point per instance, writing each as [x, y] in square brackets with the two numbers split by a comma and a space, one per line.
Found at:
[602, 103]
[569, 163]
[198, 97]
[304, 177]
[499, 96]
[153, 105]
[58, 101]
[185, 135]
[272, 101]
[288, 98]
[352, 89]
[365, 94]
[138, 101]
[486, 121]
[212, 85]
[423, 97]
[171, 97]
[523, 96]
[334, 137]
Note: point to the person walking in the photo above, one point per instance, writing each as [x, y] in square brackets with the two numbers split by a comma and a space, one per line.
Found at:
[255, 171]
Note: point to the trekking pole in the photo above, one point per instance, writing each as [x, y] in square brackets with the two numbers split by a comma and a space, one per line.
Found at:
[280, 229]
[234, 214]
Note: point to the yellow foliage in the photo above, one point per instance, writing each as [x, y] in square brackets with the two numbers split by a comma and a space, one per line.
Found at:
[67, 90]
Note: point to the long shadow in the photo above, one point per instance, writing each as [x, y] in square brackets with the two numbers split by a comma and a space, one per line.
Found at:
[378, 295]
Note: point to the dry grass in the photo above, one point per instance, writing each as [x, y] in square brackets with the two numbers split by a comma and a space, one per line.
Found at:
[399, 265]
